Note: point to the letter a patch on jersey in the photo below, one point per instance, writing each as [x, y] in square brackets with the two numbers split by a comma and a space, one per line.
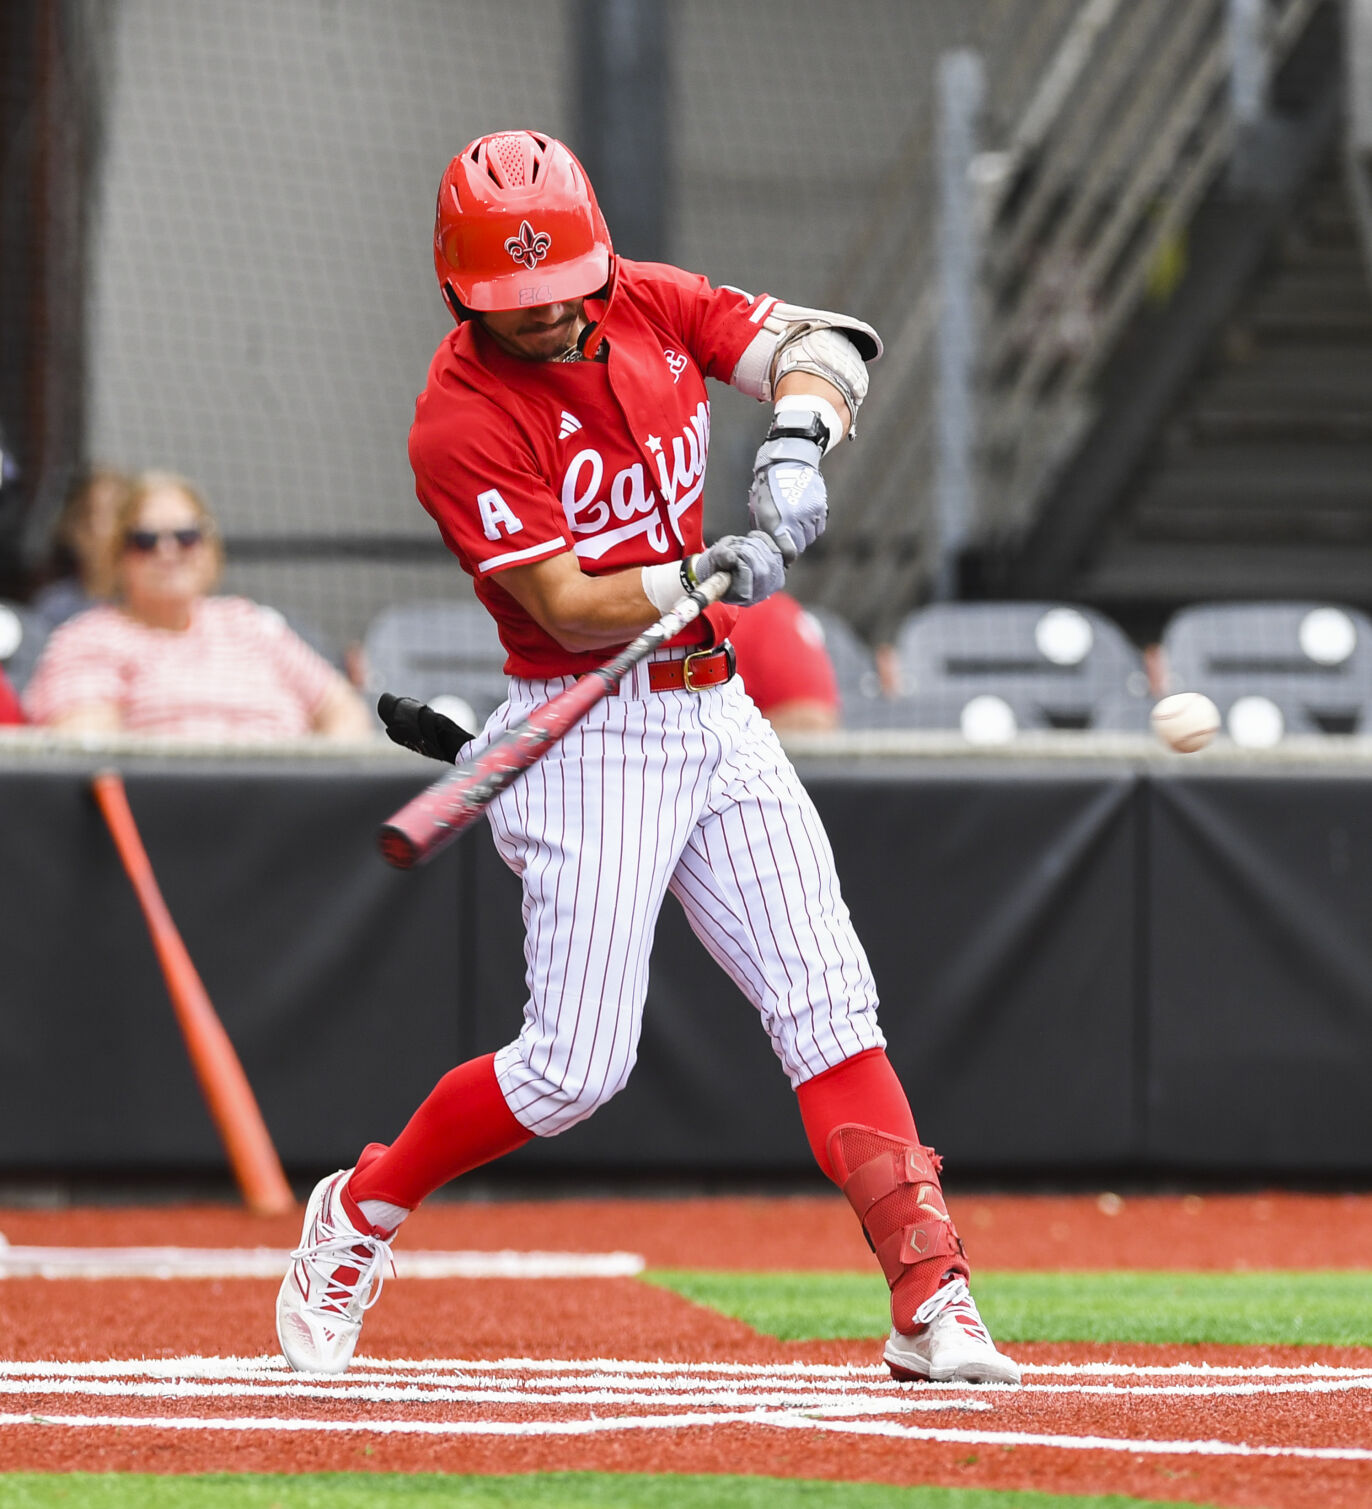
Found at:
[497, 517]
[570, 425]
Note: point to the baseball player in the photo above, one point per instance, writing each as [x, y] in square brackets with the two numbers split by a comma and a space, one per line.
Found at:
[560, 445]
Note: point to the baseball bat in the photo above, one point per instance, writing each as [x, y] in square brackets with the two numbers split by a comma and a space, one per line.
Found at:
[224, 1085]
[429, 822]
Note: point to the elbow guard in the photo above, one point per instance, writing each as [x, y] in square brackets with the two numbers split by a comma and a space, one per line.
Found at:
[835, 347]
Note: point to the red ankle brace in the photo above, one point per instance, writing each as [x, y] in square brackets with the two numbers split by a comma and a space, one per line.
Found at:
[894, 1188]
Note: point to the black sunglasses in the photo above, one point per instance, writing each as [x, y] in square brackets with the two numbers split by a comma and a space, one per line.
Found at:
[145, 541]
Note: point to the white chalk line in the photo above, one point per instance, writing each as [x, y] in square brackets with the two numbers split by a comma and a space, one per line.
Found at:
[1198, 1369]
[739, 1397]
[740, 1393]
[603, 1388]
[447, 1370]
[267, 1262]
[776, 1420]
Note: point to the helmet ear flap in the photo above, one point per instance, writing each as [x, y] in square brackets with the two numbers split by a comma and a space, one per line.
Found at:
[459, 309]
[592, 336]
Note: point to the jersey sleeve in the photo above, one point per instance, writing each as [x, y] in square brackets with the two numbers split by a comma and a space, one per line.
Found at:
[716, 324]
[479, 479]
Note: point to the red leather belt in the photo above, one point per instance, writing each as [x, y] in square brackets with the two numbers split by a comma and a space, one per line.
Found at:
[693, 673]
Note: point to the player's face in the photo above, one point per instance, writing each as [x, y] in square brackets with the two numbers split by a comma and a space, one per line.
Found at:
[538, 334]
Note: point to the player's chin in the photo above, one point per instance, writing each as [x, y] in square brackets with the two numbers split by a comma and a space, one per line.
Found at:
[543, 345]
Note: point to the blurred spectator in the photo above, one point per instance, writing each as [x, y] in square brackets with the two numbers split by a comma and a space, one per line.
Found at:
[81, 540]
[1155, 667]
[785, 668]
[10, 711]
[164, 658]
[888, 668]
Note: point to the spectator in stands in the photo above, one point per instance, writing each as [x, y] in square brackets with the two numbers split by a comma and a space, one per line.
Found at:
[785, 667]
[10, 710]
[1155, 668]
[81, 539]
[164, 658]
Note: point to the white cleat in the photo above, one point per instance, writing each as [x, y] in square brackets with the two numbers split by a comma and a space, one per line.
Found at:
[952, 1346]
[335, 1277]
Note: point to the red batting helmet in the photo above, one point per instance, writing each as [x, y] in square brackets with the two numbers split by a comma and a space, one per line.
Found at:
[518, 224]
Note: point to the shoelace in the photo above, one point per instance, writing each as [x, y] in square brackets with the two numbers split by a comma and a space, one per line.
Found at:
[335, 1250]
[954, 1295]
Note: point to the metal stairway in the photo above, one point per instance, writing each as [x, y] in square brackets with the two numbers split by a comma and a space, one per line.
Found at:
[1260, 482]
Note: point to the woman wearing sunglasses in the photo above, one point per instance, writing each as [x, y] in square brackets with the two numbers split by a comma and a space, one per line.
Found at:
[167, 659]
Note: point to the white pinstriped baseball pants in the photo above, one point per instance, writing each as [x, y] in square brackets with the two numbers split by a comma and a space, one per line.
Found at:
[651, 792]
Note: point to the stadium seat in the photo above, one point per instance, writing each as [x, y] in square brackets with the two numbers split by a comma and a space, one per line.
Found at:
[859, 687]
[436, 649]
[1275, 668]
[993, 669]
[22, 634]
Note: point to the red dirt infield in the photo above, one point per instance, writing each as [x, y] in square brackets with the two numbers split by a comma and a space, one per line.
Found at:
[1224, 1232]
[1189, 1434]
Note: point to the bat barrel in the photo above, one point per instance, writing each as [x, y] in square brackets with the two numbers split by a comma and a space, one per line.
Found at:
[430, 821]
[398, 849]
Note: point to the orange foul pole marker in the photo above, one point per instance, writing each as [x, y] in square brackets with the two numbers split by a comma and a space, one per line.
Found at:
[223, 1083]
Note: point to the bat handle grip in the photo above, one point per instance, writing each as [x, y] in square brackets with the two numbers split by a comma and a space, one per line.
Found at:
[715, 586]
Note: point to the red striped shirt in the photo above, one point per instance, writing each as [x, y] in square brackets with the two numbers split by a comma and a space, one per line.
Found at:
[238, 672]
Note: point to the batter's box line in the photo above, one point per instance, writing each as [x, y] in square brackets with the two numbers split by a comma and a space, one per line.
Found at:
[1125, 1445]
[814, 1400]
[265, 1262]
[274, 1363]
[1201, 1369]
[364, 1367]
[611, 1388]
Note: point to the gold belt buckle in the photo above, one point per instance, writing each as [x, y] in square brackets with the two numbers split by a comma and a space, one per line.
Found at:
[686, 669]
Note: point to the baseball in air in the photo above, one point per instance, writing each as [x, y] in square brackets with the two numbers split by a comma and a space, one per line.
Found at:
[1186, 721]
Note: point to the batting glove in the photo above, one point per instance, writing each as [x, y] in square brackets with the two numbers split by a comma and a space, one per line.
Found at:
[788, 497]
[754, 562]
[416, 726]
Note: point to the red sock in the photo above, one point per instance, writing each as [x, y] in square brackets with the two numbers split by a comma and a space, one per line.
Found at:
[464, 1123]
[863, 1089]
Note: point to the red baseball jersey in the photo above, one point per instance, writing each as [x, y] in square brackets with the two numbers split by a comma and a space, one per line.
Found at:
[781, 655]
[519, 461]
[10, 711]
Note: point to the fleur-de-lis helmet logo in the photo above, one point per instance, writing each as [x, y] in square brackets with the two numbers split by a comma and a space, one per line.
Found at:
[529, 247]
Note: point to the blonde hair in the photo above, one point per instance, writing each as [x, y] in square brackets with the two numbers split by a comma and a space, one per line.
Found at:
[126, 518]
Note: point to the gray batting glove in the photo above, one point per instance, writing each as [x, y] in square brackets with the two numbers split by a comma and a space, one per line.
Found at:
[753, 560]
[788, 497]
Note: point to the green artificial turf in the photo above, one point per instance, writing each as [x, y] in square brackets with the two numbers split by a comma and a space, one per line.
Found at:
[544, 1490]
[1255, 1309]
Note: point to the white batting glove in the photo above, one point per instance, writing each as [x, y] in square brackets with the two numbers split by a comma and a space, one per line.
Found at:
[753, 560]
[788, 497]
